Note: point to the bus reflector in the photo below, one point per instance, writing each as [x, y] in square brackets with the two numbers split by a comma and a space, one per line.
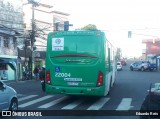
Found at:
[52, 34]
[100, 79]
[48, 78]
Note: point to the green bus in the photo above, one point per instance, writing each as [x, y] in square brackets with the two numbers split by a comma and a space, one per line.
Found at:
[79, 63]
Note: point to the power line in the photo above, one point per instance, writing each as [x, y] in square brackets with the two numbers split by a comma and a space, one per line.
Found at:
[145, 35]
[41, 45]
[142, 29]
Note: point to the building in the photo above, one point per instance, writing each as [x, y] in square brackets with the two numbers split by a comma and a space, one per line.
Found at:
[152, 51]
[44, 18]
[11, 27]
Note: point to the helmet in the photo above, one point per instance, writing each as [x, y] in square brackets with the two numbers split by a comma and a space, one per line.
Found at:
[43, 66]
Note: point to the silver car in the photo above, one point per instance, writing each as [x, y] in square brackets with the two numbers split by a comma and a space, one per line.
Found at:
[8, 98]
[139, 65]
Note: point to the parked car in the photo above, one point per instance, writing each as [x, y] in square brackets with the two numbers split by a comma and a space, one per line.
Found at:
[123, 62]
[119, 66]
[152, 66]
[151, 101]
[8, 98]
[139, 65]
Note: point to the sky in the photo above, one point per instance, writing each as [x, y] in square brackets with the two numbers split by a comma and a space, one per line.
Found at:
[115, 18]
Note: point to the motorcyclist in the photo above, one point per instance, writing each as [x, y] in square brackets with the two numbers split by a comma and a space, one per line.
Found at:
[42, 77]
[42, 73]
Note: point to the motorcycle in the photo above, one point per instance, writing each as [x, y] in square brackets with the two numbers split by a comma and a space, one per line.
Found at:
[26, 75]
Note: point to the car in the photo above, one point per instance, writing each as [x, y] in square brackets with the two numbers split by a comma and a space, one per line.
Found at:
[151, 101]
[152, 66]
[123, 62]
[119, 66]
[139, 65]
[8, 98]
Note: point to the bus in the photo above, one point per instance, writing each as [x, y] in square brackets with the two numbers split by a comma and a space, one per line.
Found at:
[79, 63]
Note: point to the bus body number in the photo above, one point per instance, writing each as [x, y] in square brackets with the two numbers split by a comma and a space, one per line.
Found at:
[62, 74]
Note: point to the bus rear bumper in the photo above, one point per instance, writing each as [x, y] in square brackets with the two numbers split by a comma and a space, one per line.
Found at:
[93, 91]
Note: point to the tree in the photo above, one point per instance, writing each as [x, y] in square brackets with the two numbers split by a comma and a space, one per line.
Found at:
[118, 54]
[89, 27]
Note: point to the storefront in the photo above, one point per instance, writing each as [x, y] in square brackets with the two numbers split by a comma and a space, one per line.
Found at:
[10, 67]
[39, 57]
[153, 51]
[158, 63]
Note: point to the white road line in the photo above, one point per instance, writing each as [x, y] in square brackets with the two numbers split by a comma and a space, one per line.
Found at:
[125, 104]
[20, 95]
[35, 101]
[73, 104]
[27, 97]
[99, 104]
[47, 105]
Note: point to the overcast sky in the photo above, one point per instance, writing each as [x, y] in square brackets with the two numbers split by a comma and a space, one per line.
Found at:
[115, 17]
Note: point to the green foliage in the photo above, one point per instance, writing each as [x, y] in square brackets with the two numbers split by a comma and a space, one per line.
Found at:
[89, 27]
[118, 53]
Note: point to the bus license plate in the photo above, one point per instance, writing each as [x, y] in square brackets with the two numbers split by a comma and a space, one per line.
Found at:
[73, 83]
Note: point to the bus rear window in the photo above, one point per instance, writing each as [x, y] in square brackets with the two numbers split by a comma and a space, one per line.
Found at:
[77, 44]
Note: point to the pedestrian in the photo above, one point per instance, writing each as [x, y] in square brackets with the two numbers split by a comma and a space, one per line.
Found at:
[24, 72]
[36, 72]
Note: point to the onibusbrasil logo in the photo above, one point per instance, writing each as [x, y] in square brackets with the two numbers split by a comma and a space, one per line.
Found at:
[58, 41]
[20, 113]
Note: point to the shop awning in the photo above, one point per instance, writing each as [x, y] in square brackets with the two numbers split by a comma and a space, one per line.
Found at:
[152, 57]
[158, 57]
[4, 60]
[10, 60]
[8, 57]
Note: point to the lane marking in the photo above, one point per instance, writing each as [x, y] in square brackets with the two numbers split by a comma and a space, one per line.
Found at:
[20, 95]
[47, 105]
[98, 104]
[27, 97]
[73, 104]
[35, 101]
[125, 104]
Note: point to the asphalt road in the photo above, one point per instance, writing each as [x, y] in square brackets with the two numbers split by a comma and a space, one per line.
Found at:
[128, 93]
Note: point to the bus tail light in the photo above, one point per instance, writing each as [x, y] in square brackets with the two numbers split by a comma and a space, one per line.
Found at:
[48, 77]
[100, 79]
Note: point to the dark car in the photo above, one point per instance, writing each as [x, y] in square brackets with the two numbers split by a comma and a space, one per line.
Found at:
[152, 66]
[152, 101]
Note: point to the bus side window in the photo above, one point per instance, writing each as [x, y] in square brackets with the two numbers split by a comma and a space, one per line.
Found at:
[106, 52]
[106, 56]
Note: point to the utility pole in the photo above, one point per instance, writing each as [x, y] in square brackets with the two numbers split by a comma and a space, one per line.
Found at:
[25, 47]
[34, 4]
[32, 39]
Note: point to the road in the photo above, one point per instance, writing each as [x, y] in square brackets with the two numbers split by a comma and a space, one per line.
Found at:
[128, 93]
